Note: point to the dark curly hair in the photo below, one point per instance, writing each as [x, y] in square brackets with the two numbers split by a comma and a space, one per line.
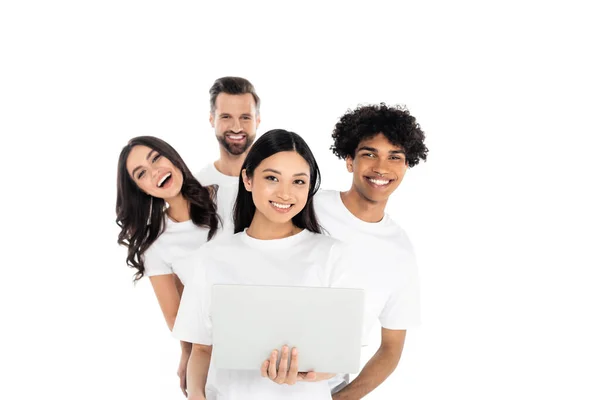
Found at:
[395, 122]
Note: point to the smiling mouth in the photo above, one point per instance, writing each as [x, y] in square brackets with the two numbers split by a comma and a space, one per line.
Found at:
[165, 180]
[281, 207]
[236, 137]
[379, 182]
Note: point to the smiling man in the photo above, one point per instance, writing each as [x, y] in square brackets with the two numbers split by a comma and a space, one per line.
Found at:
[378, 143]
[235, 116]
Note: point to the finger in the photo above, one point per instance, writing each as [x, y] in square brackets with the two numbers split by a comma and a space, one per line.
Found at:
[283, 365]
[264, 369]
[273, 365]
[293, 373]
[310, 376]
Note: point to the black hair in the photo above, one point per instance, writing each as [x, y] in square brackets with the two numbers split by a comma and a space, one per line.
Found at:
[270, 143]
[394, 122]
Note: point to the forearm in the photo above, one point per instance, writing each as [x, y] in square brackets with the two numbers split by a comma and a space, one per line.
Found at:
[186, 347]
[197, 371]
[379, 367]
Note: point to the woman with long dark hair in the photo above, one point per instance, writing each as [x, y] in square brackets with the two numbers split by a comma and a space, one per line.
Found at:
[164, 214]
[277, 242]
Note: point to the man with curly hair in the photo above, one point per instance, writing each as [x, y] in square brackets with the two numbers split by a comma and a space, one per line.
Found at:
[379, 143]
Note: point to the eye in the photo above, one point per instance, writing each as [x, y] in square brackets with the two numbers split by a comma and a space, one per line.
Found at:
[271, 178]
[156, 157]
[247, 118]
[141, 174]
[369, 155]
[299, 182]
[224, 116]
[399, 158]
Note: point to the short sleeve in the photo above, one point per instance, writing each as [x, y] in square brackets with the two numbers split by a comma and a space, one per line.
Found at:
[193, 324]
[154, 262]
[402, 308]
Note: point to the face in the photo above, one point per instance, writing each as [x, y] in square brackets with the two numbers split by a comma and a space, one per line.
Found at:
[279, 186]
[378, 167]
[153, 173]
[235, 121]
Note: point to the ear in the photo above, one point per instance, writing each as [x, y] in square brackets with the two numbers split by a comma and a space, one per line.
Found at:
[349, 164]
[257, 120]
[211, 118]
[247, 181]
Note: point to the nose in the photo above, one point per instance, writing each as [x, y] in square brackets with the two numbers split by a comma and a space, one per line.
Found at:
[154, 172]
[381, 167]
[236, 127]
[284, 193]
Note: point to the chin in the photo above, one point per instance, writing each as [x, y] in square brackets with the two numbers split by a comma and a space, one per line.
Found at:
[376, 196]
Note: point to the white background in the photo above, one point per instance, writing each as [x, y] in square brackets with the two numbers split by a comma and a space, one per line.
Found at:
[504, 215]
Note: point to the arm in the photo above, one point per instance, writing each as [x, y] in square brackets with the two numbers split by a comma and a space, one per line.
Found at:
[168, 296]
[197, 371]
[379, 367]
[168, 289]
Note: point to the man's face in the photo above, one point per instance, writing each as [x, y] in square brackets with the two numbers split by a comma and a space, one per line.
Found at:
[378, 167]
[235, 121]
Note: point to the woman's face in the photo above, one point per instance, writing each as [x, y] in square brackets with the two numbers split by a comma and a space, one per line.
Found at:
[279, 186]
[153, 173]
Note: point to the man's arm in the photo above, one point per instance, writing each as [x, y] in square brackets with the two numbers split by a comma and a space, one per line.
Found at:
[197, 371]
[379, 367]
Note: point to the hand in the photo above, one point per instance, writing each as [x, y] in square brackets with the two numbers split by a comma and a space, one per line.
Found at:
[290, 376]
[283, 375]
[182, 371]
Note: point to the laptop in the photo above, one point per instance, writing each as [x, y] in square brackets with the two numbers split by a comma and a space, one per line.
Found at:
[324, 324]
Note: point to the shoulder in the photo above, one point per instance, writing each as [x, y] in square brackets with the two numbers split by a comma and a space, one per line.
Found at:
[220, 243]
[205, 174]
[325, 243]
[325, 196]
[396, 233]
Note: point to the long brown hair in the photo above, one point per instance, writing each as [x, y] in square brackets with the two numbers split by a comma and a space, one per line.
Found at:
[142, 217]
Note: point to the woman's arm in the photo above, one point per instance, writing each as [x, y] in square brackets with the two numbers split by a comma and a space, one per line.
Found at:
[197, 371]
[168, 296]
[168, 289]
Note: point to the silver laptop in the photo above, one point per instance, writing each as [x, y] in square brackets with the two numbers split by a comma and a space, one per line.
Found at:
[324, 324]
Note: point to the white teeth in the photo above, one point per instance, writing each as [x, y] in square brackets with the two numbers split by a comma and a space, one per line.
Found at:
[164, 178]
[236, 137]
[378, 182]
[278, 205]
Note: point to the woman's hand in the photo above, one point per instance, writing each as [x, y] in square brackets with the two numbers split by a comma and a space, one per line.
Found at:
[285, 375]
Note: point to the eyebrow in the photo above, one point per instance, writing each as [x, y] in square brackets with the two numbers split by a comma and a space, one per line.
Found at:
[277, 172]
[139, 166]
[374, 150]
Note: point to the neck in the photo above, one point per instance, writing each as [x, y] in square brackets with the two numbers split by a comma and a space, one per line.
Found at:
[179, 208]
[363, 208]
[229, 164]
[263, 229]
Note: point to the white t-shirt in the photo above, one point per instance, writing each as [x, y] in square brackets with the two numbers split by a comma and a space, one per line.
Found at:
[387, 269]
[177, 241]
[209, 175]
[305, 259]
[390, 278]
[227, 193]
[180, 239]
